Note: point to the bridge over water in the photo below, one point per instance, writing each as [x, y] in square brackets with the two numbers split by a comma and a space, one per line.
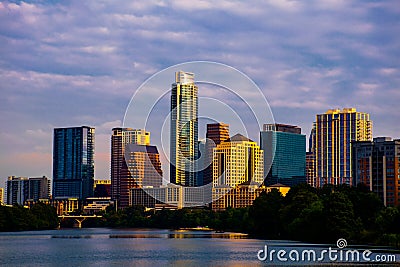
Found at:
[78, 218]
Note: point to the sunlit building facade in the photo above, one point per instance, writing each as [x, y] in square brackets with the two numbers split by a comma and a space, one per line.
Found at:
[334, 132]
[121, 180]
[184, 130]
[65, 206]
[244, 194]
[310, 168]
[73, 162]
[169, 196]
[215, 135]
[144, 165]
[376, 164]
[237, 160]
[1, 195]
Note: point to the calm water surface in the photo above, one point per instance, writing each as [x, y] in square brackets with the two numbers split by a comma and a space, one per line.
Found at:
[136, 247]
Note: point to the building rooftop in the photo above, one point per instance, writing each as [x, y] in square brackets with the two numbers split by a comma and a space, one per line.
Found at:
[279, 127]
[278, 185]
[141, 148]
[251, 183]
[238, 138]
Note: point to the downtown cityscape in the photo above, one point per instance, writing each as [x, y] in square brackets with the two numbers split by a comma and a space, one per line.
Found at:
[232, 171]
[201, 133]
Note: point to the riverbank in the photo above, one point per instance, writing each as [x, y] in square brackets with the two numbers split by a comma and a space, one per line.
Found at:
[307, 214]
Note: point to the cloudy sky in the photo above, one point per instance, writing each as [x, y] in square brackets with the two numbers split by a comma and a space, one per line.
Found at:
[73, 63]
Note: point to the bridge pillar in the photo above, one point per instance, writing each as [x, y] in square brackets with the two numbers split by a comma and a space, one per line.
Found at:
[79, 221]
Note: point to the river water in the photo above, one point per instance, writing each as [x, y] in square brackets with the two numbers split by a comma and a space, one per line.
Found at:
[149, 247]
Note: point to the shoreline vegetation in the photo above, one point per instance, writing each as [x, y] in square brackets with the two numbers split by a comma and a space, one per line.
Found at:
[305, 214]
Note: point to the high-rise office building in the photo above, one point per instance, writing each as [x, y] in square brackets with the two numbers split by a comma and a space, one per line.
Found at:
[73, 162]
[235, 161]
[184, 130]
[377, 164]
[21, 189]
[216, 134]
[17, 190]
[144, 165]
[334, 132]
[121, 179]
[284, 154]
[38, 188]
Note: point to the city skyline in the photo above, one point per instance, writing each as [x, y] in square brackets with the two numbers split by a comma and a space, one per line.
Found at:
[53, 75]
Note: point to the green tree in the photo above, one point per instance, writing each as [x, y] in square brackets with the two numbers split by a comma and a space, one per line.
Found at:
[388, 220]
[303, 200]
[310, 224]
[340, 219]
[367, 205]
[264, 215]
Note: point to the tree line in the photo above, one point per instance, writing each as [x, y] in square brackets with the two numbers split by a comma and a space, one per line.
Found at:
[17, 218]
[306, 214]
[320, 215]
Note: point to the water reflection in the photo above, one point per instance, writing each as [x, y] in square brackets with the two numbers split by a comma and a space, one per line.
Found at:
[142, 247]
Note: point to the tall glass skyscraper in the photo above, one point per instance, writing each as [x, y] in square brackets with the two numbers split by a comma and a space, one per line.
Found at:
[284, 154]
[73, 162]
[335, 130]
[184, 130]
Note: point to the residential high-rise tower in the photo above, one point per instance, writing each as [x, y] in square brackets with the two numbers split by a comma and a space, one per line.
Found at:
[73, 162]
[144, 165]
[376, 164]
[21, 189]
[121, 178]
[184, 130]
[334, 132]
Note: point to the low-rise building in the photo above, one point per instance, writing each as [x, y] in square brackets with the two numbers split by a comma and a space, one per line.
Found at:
[102, 188]
[242, 195]
[96, 204]
[171, 195]
[66, 205]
